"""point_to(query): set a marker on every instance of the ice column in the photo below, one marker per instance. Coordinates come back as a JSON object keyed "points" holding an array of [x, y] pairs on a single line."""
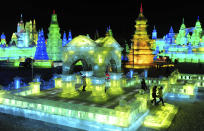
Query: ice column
{"points": [[98, 89], [35, 87], [68, 86], [58, 82], [115, 84]]}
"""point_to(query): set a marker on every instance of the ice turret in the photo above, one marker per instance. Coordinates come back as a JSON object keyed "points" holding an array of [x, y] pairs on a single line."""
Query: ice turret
{"points": [[69, 37], [154, 33], [64, 40]]}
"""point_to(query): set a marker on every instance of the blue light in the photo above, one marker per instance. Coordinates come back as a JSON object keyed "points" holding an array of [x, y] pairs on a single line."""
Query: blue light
{"points": [[131, 73], [17, 83], [145, 73]]}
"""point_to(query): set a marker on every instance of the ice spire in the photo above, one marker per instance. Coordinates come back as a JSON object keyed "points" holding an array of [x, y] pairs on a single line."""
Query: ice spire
{"points": [[21, 20], [141, 10], [183, 25], [154, 33], [69, 36], [64, 40], [171, 30]]}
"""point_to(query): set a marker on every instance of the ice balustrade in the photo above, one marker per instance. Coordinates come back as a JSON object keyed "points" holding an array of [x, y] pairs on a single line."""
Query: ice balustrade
{"points": [[117, 116]]}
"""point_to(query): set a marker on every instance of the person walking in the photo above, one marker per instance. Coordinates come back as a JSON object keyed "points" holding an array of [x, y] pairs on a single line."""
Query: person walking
{"points": [[154, 95], [160, 95], [84, 83], [143, 84]]}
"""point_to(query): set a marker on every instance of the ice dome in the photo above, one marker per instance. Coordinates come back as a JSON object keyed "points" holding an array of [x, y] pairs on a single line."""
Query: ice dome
{"points": [[108, 41], [82, 41], [3, 36]]}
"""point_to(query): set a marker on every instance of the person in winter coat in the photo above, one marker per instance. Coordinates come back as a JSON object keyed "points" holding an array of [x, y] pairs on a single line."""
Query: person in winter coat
{"points": [[160, 95], [84, 83], [154, 94]]}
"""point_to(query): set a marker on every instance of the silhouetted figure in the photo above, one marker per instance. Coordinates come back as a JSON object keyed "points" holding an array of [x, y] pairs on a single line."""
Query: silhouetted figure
{"points": [[84, 83], [160, 95], [154, 95], [107, 81], [143, 84]]}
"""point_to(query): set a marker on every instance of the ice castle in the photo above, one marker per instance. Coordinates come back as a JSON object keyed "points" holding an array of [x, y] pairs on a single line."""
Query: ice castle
{"points": [[185, 46]]}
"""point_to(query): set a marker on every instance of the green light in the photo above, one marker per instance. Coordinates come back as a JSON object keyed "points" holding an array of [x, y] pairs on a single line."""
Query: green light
{"points": [[79, 63]]}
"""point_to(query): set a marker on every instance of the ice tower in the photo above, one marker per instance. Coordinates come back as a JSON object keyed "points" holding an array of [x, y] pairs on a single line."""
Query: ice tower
{"points": [[181, 39], [64, 41], [3, 40], [195, 39], [54, 42], [69, 37], [169, 38], [26, 33], [141, 55], [41, 53], [154, 33], [13, 39]]}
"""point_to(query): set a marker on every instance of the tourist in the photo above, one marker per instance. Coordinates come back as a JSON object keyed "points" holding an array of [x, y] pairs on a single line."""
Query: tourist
{"points": [[160, 95], [154, 95], [143, 84], [84, 82]]}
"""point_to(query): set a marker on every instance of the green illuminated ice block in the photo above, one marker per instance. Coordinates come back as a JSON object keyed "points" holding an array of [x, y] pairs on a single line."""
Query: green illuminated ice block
{"points": [[43, 63], [17, 52]]}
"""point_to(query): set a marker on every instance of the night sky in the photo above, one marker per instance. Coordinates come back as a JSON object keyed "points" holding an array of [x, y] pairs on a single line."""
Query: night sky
{"points": [[85, 17]]}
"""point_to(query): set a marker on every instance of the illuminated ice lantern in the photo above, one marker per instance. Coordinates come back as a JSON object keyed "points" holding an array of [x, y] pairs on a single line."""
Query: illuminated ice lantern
{"points": [[35, 87], [58, 82], [17, 82]]}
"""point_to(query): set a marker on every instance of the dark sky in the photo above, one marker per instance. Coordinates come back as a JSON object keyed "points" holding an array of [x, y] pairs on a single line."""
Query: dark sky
{"points": [[86, 17]]}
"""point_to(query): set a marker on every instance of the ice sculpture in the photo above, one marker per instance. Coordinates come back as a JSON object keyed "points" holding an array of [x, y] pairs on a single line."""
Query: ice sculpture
{"points": [[54, 42], [141, 55]]}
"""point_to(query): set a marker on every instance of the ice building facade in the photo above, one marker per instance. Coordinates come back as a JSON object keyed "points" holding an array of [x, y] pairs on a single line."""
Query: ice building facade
{"points": [[22, 43], [26, 33], [185, 46], [97, 57]]}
